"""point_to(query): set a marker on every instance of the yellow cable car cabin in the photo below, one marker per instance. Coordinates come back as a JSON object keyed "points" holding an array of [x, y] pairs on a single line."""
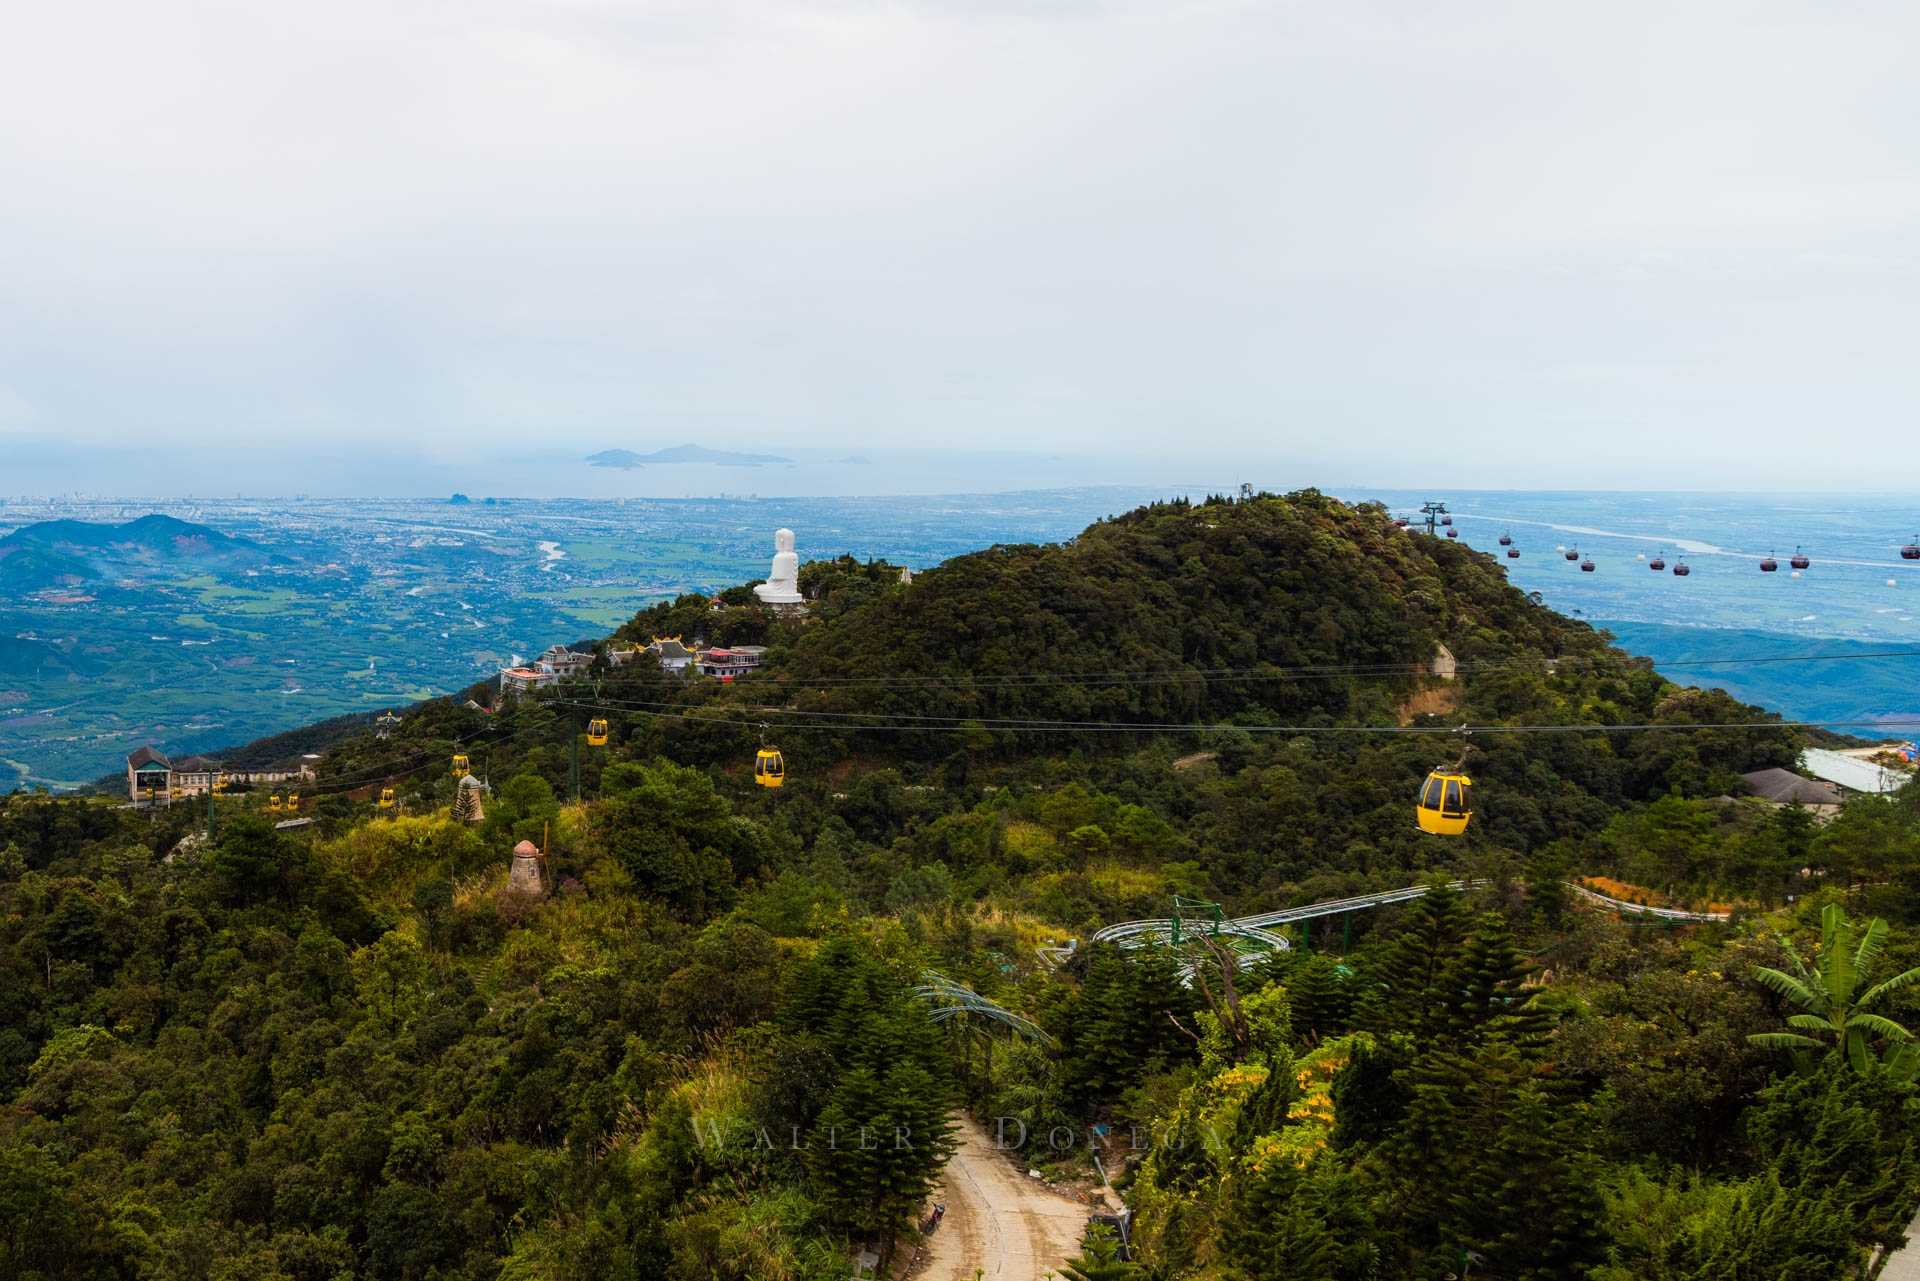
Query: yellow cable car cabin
{"points": [[1446, 803], [769, 770], [597, 732], [386, 798], [273, 802], [293, 800], [460, 764]]}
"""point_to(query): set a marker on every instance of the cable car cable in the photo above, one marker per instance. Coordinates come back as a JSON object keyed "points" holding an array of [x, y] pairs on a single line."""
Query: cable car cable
{"points": [[751, 718], [427, 760], [1301, 672]]}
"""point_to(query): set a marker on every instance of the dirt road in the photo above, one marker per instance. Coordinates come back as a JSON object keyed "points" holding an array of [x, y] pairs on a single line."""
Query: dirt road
{"points": [[1010, 1227]]}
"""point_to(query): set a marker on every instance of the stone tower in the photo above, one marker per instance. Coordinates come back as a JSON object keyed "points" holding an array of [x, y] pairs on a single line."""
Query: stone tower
{"points": [[470, 801], [528, 875]]}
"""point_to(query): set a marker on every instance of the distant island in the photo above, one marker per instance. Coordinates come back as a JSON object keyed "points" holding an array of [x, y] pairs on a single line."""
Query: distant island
{"points": [[459, 499], [628, 460]]}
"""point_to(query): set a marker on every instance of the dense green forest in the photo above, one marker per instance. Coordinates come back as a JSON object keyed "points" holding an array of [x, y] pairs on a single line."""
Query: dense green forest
{"points": [[355, 1050]]}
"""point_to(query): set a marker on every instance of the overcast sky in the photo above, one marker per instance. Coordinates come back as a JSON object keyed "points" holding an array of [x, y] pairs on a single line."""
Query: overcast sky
{"points": [[1629, 244]]}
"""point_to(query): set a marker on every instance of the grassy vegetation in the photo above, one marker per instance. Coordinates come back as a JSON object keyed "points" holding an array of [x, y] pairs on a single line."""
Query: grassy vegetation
{"points": [[353, 1051]]}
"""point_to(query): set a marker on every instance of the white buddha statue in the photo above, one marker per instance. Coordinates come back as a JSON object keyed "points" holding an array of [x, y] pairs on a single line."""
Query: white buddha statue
{"points": [[783, 580]]}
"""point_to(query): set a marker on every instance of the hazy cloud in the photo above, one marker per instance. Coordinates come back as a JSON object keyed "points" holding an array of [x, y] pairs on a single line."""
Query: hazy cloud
{"points": [[15, 413], [1489, 244]]}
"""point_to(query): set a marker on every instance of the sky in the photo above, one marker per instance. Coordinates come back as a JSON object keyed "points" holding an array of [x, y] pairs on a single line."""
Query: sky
{"points": [[375, 245]]}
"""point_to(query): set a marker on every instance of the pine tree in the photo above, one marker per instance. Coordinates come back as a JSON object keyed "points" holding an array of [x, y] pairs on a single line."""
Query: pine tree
{"points": [[1767, 1232], [919, 1139], [1100, 1259], [1276, 1229], [1371, 1093], [1835, 1130], [879, 1144], [1095, 1051], [1407, 991], [1547, 886], [1434, 1141], [1486, 1163], [1119, 1029], [1183, 1159], [860, 1012], [1527, 1201], [1485, 990], [1319, 998], [833, 993], [1154, 991], [845, 1153], [1265, 1110]]}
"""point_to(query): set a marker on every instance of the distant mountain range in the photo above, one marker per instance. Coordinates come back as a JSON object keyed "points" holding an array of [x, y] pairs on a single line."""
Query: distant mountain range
{"points": [[73, 553], [627, 459]]}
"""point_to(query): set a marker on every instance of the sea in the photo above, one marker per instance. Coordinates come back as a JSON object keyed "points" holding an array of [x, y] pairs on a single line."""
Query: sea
{"points": [[1838, 642]]}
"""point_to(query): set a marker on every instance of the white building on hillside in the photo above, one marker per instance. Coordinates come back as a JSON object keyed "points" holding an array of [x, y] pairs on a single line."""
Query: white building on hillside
{"points": [[566, 663], [526, 679], [1855, 773]]}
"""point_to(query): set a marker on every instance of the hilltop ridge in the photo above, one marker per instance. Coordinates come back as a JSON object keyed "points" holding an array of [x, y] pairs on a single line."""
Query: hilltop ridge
{"points": [[1202, 591], [58, 553]]}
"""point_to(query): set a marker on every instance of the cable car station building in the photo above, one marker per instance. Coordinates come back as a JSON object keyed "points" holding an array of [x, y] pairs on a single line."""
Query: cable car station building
{"points": [[152, 778]]}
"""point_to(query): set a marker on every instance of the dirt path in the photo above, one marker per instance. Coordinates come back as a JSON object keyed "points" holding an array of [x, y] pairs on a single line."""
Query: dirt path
{"points": [[1010, 1227]]}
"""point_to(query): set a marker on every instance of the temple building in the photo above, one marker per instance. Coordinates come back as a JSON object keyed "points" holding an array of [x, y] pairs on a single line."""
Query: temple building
{"points": [[672, 654], [735, 660]]}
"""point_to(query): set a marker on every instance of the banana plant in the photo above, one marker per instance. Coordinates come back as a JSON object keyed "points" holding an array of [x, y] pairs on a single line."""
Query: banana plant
{"points": [[1835, 1014]]}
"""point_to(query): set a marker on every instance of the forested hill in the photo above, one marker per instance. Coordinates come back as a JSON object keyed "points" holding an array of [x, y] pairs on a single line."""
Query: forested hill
{"points": [[1208, 592], [1295, 611], [1275, 614], [1214, 589], [622, 1025], [1232, 629]]}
